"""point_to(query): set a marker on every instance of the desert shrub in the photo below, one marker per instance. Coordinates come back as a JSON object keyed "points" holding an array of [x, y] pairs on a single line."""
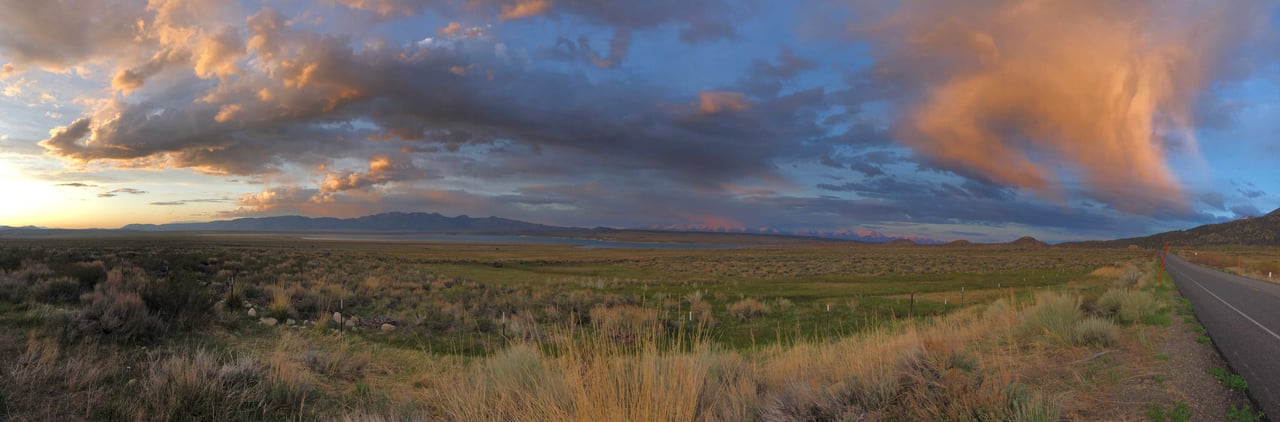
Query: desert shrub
{"points": [[1130, 277], [730, 391], [783, 304], [114, 314], [748, 308], [344, 364], [87, 274], [11, 258], [307, 303], [939, 386], [702, 312], [1053, 317], [1109, 302], [1096, 332], [180, 300], [13, 289], [1137, 306], [624, 321], [1128, 306], [56, 290]]}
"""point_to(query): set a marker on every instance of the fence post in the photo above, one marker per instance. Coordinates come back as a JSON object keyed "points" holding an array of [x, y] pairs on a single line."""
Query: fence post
{"points": [[911, 311]]}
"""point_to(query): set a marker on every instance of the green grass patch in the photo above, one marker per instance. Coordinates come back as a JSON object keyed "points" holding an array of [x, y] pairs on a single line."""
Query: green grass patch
{"points": [[1228, 379], [1243, 413], [1178, 412]]}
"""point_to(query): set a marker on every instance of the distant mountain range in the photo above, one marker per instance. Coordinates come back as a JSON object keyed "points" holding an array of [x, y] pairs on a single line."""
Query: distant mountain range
{"points": [[1257, 231], [1263, 230], [388, 222]]}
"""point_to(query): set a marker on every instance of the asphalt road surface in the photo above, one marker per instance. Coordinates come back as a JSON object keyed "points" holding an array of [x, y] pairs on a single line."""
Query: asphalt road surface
{"points": [[1243, 319]]}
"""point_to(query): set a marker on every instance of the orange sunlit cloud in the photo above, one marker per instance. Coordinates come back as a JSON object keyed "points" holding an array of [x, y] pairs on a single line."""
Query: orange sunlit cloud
{"points": [[1106, 86]]}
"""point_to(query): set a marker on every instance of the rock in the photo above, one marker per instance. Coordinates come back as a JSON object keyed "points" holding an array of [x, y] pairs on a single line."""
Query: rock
{"points": [[290, 321], [253, 312], [268, 321], [387, 327], [246, 304], [351, 322], [337, 317]]}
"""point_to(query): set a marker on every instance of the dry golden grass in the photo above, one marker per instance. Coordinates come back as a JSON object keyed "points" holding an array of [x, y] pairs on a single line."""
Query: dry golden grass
{"points": [[886, 372]]}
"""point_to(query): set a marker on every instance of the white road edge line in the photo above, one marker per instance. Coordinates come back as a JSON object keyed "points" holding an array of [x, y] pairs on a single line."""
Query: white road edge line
{"points": [[1255, 322]]}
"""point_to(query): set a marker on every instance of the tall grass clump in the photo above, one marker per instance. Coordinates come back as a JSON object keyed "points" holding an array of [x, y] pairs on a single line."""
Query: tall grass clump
{"points": [[597, 378], [1053, 318], [1128, 306], [1096, 331], [198, 386]]}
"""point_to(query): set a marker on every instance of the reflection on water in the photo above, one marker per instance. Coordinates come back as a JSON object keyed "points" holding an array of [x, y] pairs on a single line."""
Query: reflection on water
{"points": [[485, 238]]}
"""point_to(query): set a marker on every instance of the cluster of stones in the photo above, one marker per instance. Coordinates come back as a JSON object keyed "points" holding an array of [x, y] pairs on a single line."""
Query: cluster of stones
{"points": [[382, 323]]}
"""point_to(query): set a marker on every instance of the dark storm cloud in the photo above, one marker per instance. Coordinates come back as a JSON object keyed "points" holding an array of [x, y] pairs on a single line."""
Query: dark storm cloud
{"points": [[300, 112], [695, 21]]}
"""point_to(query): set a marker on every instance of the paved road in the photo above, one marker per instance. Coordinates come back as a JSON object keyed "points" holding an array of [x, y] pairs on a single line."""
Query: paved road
{"points": [[1243, 319]]}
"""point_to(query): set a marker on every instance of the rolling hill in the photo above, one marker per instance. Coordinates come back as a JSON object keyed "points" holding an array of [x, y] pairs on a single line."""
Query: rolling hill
{"points": [[1257, 231]]}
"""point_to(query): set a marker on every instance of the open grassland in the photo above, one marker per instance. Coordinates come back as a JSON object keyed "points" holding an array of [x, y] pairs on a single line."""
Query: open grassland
{"points": [[251, 328]]}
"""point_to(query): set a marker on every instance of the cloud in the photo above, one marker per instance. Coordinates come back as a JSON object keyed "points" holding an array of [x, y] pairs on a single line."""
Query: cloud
{"points": [[77, 185], [991, 88], [767, 78], [1250, 191], [297, 106], [524, 9], [116, 192], [189, 201], [382, 170], [57, 35], [1245, 210], [711, 102], [1214, 200]]}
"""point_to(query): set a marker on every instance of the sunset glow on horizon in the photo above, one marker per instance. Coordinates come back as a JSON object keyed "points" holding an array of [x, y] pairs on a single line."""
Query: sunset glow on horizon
{"points": [[921, 119]]}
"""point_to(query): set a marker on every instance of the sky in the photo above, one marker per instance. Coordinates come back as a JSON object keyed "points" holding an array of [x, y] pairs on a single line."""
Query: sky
{"points": [[984, 120]]}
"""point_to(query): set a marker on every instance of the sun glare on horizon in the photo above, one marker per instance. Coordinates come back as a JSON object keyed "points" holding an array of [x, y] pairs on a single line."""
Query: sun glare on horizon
{"points": [[32, 202]]}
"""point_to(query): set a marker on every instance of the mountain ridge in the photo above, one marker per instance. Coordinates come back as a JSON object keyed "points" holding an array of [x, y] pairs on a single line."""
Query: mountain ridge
{"points": [[1251, 231], [385, 222]]}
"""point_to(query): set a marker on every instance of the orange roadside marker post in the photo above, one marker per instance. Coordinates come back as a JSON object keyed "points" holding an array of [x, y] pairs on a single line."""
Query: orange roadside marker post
{"points": [[1160, 274]]}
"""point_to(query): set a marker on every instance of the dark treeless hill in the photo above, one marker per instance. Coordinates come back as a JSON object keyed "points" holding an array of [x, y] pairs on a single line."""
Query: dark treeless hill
{"points": [[1256, 231], [1028, 242]]}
